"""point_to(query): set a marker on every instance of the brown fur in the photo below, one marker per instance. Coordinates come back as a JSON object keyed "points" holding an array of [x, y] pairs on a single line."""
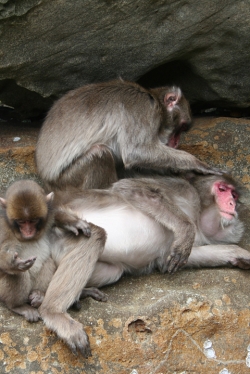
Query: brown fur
{"points": [[96, 131], [28, 265], [150, 224]]}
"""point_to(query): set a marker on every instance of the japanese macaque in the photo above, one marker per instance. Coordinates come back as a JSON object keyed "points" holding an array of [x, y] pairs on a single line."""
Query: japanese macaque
{"points": [[28, 241], [163, 223], [94, 132]]}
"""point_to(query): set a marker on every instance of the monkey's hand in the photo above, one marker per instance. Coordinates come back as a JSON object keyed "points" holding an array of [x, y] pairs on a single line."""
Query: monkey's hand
{"points": [[175, 261], [22, 265], [68, 220], [203, 168], [79, 225], [36, 298]]}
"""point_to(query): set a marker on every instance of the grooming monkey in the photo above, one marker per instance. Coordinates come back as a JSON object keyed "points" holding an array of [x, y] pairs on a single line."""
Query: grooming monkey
{"points": [[29, 240], [97, 131], [161, 223]]}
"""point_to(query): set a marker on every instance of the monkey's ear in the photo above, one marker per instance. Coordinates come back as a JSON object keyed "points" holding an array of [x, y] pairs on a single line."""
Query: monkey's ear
{"points": [[172, 98], [3, 203], [50, 196]]}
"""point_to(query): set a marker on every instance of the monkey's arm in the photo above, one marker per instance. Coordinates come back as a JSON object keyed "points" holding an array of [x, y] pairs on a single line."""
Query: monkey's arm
{"points": [[71, 276], [157, 156], [219, 255], [151, 198], [68, 220], [11, 264]]}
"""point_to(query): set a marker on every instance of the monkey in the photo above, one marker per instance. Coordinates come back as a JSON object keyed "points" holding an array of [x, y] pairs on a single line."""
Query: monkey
{"points": [[162, 223], [185, 214], [30, 229], [94, 133]]}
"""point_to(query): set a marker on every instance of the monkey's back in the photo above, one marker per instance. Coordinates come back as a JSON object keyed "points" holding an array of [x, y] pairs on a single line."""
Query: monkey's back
{"points": [[86, 116]]}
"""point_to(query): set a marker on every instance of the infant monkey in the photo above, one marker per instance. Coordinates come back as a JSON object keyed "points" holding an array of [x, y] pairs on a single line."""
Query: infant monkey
{"points": [[27, 239]]}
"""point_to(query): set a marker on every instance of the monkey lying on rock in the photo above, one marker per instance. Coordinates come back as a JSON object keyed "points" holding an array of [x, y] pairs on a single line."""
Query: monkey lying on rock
{"points": [[161, 223]]}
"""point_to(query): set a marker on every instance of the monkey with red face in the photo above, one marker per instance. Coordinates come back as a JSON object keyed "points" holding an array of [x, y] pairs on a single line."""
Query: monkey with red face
{"points": [[163, 223], [100, 130]]}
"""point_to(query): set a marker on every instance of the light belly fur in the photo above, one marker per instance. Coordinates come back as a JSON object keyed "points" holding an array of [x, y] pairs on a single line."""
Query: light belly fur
{"points": [[132, 237]]}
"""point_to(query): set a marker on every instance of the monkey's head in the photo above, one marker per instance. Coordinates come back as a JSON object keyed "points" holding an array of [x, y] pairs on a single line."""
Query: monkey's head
{"points": [[27, 209], [178, 116], [220, 203]]}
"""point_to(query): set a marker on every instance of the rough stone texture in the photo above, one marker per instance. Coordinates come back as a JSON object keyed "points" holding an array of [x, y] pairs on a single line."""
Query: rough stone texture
{"points": [[154, 324], [50, 46]]}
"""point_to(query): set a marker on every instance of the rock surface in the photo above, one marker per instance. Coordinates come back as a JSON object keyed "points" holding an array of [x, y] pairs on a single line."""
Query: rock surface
{"points": [[51, 46], [195, 321]]}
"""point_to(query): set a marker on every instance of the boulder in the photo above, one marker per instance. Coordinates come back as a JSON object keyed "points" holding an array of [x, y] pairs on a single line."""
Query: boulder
{"points": [[50, 47]]}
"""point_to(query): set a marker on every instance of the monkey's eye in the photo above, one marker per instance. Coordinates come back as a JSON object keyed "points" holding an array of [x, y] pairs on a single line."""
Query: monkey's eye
{"points": [[222, 188], [172, 98], [33, 221], [235, 195]]}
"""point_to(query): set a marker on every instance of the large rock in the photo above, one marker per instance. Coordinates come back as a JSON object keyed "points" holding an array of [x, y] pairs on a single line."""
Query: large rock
{"points": [[195, 321], [49, 47]]}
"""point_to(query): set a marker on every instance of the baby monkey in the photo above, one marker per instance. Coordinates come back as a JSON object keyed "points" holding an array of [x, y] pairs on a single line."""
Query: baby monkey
{"points": [[27, 236]]}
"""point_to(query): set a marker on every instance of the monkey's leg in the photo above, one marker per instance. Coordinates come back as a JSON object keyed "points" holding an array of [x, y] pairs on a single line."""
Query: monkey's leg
{"points": [[73, 272], [151, 199], [218, 255], [95, 169], [105, 273], [14, 291]]}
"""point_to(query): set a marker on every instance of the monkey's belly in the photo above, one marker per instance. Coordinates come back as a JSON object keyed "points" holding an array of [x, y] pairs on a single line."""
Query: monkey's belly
{"points": [[132, 237]]}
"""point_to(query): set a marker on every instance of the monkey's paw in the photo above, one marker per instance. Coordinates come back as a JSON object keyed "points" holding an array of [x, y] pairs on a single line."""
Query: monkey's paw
{"points": [[28, 312], [241, 262], [79, 225], [22, 265], [79, 341], [67, 329], [174, 262], [94, 293], [36, 298]]}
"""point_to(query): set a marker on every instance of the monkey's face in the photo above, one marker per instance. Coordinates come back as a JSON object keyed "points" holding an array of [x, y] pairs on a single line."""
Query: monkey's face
{"points": [[27, 229], [178, 119], [222, 210], [226, 198]]}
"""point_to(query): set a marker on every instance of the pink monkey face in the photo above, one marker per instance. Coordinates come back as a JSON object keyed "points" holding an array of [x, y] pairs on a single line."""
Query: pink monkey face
{"points": [[226, 197]]}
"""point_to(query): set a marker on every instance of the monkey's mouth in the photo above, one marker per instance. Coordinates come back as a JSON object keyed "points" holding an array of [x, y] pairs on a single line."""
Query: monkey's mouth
{"points": [[174, 141], [227, 215], [27, 233]]}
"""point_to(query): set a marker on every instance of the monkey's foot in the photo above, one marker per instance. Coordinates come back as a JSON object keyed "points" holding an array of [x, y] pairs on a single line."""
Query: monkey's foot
{"points": [[28, 312], [69, 330], [95, 293], [36, 298], [241, 262]]}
